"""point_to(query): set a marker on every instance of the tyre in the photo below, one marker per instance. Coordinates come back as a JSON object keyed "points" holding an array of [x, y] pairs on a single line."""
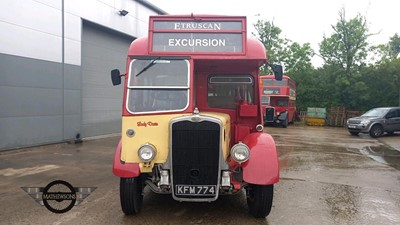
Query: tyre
{"points": [[355, 133], [285, 123], [131, 195], [376, 131], [259, 199]]}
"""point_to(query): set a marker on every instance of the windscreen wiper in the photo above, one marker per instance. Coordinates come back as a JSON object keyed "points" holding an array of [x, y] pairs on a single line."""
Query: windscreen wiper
{"points": [[149, 65]]}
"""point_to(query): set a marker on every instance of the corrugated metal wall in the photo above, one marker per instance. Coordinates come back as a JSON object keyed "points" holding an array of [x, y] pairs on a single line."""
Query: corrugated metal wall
{"points": [[102, 51]]}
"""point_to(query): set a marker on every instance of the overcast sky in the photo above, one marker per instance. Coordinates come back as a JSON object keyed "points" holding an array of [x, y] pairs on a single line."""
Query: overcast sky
{"points": [[300, 20]]}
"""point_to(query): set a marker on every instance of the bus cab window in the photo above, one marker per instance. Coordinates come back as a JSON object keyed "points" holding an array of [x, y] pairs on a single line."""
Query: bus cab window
{"points": [[281, 103], [158, 85], [226, 91]]}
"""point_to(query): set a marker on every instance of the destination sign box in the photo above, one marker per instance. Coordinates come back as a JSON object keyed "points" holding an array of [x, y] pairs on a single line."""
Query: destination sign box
{"points": [[192, 36], [197, 42], [194, 25]]}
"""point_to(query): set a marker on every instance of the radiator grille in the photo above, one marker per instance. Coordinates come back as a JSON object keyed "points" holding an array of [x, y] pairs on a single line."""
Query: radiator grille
{"points": [[269, 114], [195, 153]]}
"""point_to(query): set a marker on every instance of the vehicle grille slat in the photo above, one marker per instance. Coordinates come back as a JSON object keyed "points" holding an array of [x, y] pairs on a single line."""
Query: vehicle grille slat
{"points": [[269, 114], [195, 153]]}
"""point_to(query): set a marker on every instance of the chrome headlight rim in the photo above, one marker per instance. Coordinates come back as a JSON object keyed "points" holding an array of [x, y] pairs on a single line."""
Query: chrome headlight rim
{"points": [[240, 152], [145, 150], [365, 122]]}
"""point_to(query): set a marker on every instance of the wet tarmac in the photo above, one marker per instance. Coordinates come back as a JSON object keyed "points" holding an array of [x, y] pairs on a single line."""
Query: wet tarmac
{"points": [[327, 177]]}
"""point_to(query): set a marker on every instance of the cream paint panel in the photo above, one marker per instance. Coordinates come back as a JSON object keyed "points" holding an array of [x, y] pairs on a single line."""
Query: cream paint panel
{"points": [[226, 121], [155, 135], [16, 40], [159, 135]]}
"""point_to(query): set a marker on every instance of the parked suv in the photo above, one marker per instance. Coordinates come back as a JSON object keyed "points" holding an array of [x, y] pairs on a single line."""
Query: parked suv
{"points": [[376, 122]]}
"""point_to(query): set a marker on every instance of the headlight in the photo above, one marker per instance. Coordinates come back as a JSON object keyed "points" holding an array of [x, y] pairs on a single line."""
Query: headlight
{"points": [[277, 113], [147, 152], [365, 122], [240, 152]]}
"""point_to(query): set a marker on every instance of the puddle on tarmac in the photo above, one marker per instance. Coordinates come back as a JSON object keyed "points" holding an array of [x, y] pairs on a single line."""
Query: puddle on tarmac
{"points": [[381, 154]]}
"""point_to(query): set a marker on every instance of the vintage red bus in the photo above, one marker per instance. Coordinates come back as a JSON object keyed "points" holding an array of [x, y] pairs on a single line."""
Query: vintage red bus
{"points": [[278, 100], [191, 115]]}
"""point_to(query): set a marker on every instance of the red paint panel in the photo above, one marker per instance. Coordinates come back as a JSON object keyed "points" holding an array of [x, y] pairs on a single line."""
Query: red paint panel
{"points": [[124, 169], [246, 110], [263, 166]]}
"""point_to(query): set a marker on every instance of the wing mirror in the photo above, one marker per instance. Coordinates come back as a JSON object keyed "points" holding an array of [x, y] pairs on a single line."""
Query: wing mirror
{"points": [[278, 71], [115, 77]]}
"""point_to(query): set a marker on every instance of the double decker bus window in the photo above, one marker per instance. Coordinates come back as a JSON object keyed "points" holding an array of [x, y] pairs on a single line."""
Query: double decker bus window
{"points": [[163, 86], [226, 91], [282, 103], [280, 82], [264, 100], [267, 82]]}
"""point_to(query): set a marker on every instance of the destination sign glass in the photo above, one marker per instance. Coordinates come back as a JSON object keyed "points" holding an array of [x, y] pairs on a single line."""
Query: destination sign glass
{"points": [[197, 42], [194, 25]]}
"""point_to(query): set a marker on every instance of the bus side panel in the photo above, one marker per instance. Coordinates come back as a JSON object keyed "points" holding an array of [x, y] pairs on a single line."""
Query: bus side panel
{"points": [[262, 167], [125, 170]]}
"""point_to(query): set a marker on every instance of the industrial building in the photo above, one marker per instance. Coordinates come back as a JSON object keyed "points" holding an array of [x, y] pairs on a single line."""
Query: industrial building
{"points": [[55, 63]]}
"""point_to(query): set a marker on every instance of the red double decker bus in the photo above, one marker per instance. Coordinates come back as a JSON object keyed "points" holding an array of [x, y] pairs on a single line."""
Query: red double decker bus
{"points": [[191, 114], [278, 100]]}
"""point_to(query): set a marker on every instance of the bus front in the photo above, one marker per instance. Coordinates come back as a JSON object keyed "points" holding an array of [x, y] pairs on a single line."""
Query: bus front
{"points": [[191, 120]]}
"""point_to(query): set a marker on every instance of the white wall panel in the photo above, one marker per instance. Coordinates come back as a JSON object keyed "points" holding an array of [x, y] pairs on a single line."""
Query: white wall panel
{"points": [[21, 41], [72, 52], [52, 3], [72, 41], [30, 29], [73, 26], [31, 14], [142, 20], [106, 14]]}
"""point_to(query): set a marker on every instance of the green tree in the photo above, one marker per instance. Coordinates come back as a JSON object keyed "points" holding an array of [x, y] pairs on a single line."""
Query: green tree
{"points": [[388, 52], [295, 58], [348, 45], [292, 55], [346, 50], [268, 34], [394, 46], [383, 81]]}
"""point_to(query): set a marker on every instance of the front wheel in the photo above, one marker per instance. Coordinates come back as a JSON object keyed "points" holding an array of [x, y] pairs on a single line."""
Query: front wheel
{"points": [[259, 199], [131, 195], [376, 131], [285, 123]]}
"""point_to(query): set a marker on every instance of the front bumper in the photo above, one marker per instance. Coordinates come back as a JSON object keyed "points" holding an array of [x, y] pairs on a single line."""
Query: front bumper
{"points": [[361, 128]]}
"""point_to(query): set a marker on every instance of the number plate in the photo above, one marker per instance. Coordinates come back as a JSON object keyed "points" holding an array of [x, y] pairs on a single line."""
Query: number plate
{"points": [[352, 126], [195, 189]]}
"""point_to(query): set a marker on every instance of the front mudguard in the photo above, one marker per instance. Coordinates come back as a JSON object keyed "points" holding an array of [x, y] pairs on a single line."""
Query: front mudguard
{"points": [[125, 170], [283, 116], [262, 167]]}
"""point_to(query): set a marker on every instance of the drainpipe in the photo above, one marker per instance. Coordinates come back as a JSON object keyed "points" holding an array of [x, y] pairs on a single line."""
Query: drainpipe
{"points": [[62, 68]]}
